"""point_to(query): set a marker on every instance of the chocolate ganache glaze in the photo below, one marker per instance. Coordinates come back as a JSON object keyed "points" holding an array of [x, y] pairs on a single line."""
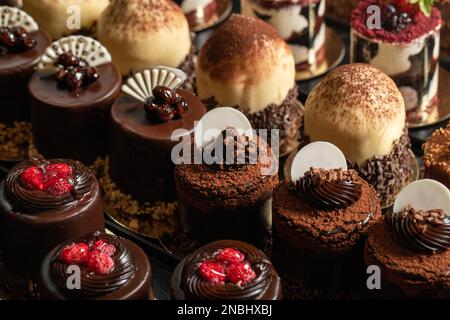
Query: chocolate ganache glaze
{"points": [[187, 284]]}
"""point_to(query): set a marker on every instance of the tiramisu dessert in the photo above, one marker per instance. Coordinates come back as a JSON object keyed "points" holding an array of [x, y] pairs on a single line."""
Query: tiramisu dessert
{"points": [[406, 47], [143, 123], [43, 203], [71, 98], [436, 159], [321, 218], [301, 23], [411, 244], [359, 109], [226, 270], [245, 64], [147, 33], [200, 12], [21, 45], [111, 268], [66, 17]]}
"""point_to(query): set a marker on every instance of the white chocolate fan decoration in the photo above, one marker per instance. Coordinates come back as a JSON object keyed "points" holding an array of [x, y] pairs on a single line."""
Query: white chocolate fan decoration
{"points": [[141, 84], [319, 155], [82, 47], [424, 195], [14, 17]]}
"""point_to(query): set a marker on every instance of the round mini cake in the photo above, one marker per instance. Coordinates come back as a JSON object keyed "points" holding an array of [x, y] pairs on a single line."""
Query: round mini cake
{"points": [[147, 33], [411, 245], [406, 47], [111, 268], [301, 23], [321, 219], [42, 203], [71, 98], [140, 158], [245, 64], [59, 18], [200, 12], [436, 160], [226, 270], [360, 110]]}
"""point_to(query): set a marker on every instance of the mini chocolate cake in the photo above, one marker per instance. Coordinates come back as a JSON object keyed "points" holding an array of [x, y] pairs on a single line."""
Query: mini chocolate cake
{"points": [[71, 98], [147, 33], [301, 23], [55, 18], [42, 203], [436, 160], [247, 65], [226, 270], [406, 47], [111, 268], [320, 222], [200, 12]]}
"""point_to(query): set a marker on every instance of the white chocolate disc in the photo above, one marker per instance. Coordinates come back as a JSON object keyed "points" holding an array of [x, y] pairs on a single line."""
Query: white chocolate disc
{"points": [[13, 17]]}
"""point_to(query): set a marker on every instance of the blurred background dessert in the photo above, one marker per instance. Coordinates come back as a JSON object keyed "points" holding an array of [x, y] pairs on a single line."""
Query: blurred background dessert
{"points": [[436, 160], [444, 6], [12, 3], [341, 10], [200, 12]]}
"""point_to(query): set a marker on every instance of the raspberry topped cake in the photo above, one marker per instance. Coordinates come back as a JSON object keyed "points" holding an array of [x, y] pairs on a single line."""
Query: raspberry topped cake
{"points": [[111, 268], [436, 160], [406, 47], [44, 202], [225, 270]]}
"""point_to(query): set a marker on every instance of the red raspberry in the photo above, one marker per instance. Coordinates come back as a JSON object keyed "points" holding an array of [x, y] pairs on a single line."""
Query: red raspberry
{"points": [[99, 262], [103, 246], [75, 253], [240, 273], [58, 187], [212, 272], [58, 169], [33, 177], [230, 255]]}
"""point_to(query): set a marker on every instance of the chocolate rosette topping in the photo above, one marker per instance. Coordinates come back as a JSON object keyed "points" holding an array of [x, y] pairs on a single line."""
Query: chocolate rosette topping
{"points": [[329, 189], [421, 231]]}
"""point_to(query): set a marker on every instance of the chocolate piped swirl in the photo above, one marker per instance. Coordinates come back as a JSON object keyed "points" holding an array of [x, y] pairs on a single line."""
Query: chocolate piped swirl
{"points": [[92, 284], [195, 288], [421, 231], [29, 200], [329, 189]]}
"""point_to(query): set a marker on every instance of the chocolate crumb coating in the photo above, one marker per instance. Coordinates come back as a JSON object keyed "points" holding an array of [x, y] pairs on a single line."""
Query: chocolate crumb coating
{"points": [[188, 66], [436, 159]]}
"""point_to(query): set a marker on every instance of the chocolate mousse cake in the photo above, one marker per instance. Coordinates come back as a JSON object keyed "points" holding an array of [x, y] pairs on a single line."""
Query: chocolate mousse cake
{"points": [[246, 64], [436, 159], [359, 109], [66, 17], [111, 268], [406, 47], [226, 270], [42, 203], [301, 23], [71, 97], [142, 126], [200, 12], [147, 33]]}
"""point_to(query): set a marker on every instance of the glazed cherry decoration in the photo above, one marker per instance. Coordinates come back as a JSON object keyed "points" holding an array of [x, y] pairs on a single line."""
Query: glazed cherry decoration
{"points": [[74, 73], [15, 39], [165, 105]]}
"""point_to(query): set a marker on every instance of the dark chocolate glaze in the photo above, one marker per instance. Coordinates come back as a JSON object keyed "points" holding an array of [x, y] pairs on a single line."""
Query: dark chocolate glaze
{"points": [[69, 124], [140, 155], [187, 285], [15, 72]]}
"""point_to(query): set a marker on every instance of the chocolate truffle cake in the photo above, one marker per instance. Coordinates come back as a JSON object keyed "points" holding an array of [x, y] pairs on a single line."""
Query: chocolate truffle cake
{"points": [[225, 270], [406, 47], [71, 98], [360, 110], [301, 23], [142, 126], [147, 33], [60, 18], [42, 203], [200, 12], [436, 160], [247, 65], [320, 221], [111, 268]]}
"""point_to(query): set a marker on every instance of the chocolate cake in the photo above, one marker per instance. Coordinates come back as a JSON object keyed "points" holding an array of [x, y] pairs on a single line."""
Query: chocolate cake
{"points": [[42, 203], [225, 270], [111, 268], [71, 98], [406, 47], [301, 23], [200, 12], [247, 65], [436, 160]]}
